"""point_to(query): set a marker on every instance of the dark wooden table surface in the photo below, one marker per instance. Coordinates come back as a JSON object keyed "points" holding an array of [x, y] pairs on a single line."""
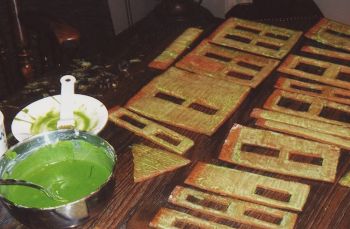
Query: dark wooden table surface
{"points": [[134, 204]]}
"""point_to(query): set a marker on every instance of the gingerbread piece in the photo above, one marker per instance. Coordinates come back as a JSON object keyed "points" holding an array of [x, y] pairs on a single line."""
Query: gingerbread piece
{"points": [[326, 52], [317, 70], [304, 132], [168, 218], [175, 49], [318, 90], [150, 130], [190, 101], [249, 186], [331, 33], [222, 63], [150, 162], [279, 153], [313, 125], [255, 37], [345, 180], [232, 209], [309, 107]]}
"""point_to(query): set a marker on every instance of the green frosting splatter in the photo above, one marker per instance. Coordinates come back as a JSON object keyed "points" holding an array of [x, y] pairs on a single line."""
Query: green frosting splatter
{"points": [[48, 122]]}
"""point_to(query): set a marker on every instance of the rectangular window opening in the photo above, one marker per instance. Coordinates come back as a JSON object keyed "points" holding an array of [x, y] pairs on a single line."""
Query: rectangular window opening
{"points": [[207, 203], [249, 65], [277, 36], [239, 75], [169, 98], [337, 33], [269, 46], [238, 38], [302, 88], [185, 225], [168, 139], [133, 121], [343, 76], [217, 57], [273, 194], [244, 28], [305, 159], [342, 96], [233, 224], [204, 109], [293, 104], [335, 114], [264, 216], [261, 150], [308, 68]]}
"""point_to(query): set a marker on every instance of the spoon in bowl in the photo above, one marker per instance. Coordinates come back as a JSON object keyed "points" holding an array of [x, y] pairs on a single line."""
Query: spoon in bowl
{"points": [[30, 184]]}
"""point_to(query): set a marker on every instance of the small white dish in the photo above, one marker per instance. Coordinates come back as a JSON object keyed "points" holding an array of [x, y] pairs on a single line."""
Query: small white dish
{"points": [[40, 116]]}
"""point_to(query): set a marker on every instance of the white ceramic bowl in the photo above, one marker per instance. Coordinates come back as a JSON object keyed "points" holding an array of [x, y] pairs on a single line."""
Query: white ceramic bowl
{"points": [[40, 116]]}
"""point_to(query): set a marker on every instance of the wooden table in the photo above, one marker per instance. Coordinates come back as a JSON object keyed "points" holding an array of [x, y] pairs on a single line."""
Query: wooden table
{"points": [[134, 204]]}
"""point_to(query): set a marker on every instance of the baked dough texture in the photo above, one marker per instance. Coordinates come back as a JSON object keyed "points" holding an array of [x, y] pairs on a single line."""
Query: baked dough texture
{"points": [[150, 162], [232, 209], [167, 219], [304, 132], [308, 107], [326, 52], [331, 33], [227, 64], [317, 70], [345, 180], [249, 186], [317, 161], [303, 127], [255, 37], [175, 49], [151, 131], [323, 91], [190, 101]]}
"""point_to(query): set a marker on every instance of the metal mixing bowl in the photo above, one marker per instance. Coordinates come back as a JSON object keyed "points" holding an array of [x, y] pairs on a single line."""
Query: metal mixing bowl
{"points": [[67, 215]]}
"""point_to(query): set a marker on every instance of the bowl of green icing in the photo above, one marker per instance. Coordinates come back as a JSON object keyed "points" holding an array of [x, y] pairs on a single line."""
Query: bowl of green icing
{"points": [[41, 116], [77, 167]]}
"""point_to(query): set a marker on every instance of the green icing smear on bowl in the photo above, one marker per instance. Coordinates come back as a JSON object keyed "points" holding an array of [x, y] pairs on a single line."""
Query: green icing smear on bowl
{"points": [[48, 122], [70, 170]]}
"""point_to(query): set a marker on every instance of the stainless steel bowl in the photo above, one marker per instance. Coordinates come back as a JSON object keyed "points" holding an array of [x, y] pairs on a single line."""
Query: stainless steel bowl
{"points": [[68, 215]]}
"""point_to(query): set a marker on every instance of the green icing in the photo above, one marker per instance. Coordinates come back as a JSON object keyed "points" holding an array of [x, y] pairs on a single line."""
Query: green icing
{"points": [[48, 122], [10, 154], [70, 170]]}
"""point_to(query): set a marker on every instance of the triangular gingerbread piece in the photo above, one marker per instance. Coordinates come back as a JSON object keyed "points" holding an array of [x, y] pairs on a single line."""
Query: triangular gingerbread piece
{"points": [[345, 180], [150, 162]]}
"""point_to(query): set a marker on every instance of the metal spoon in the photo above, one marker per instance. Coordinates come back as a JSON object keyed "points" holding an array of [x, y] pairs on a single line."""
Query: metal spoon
{"points": [[30, 184]]}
